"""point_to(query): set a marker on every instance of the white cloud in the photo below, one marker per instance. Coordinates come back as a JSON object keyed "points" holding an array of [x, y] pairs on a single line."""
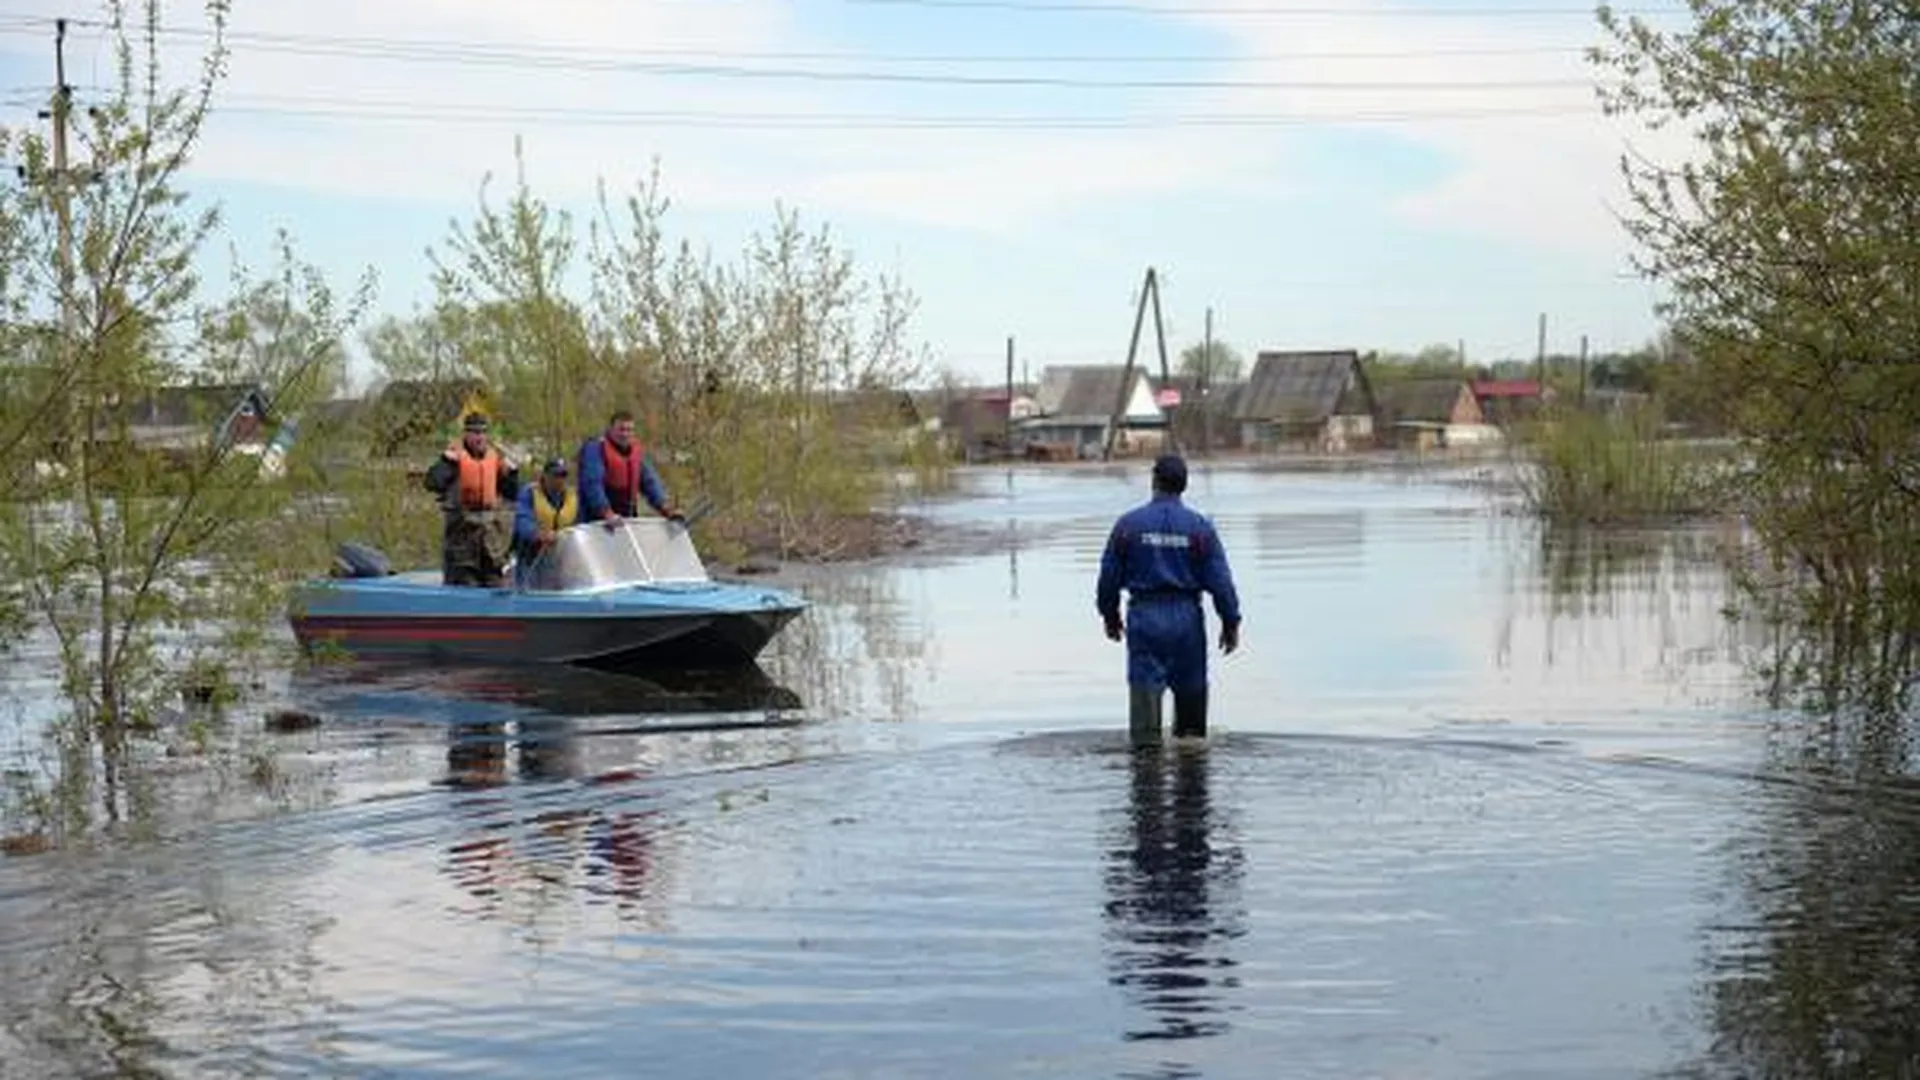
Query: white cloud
{"points": [[1544, 174], [978, 178]]}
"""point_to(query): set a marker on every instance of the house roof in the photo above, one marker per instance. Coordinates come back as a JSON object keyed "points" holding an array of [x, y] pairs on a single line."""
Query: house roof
{"points": [[1506, 388], [189, 406], [1420, 400], [1298, 385], [1083, 391]]}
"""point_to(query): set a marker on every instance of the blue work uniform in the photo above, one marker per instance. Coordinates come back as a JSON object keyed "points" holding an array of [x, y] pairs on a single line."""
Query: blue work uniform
{"points": [[597, 496], [1164, 555]]}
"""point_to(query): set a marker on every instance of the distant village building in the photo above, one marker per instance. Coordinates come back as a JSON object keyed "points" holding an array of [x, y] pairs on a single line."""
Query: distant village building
{"points": [[1318, 400], [1504, 401], [182, 421], [1431, 414], [1204, 415], [1075, 407], [410, 416], [978, 425]]}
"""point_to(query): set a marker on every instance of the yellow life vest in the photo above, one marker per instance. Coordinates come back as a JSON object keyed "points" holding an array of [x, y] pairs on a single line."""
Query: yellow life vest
{"points": [[554, 520]]}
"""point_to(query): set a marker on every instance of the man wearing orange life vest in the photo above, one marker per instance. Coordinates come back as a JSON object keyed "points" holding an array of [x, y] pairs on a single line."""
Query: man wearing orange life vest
{"points": [[616, 473], [475, 483]]}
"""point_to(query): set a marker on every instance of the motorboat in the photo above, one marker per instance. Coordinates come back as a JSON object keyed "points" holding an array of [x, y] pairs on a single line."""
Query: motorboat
{"points": [[634, 593]]}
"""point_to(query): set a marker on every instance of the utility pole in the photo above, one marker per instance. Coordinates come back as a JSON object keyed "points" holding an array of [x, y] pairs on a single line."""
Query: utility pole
{"points": [[1166, 370], [1583, 371], [1150, 290], [1540, 355], [1206, 388], [1007, 447], [61, 106]]}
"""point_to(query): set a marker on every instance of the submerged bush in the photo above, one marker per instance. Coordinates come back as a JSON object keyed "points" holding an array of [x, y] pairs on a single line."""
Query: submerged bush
{"points": [[1595, 468]]}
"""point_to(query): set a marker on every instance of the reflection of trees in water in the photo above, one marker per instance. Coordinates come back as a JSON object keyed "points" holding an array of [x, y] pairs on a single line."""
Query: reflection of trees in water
{"points": [[1638, 584], [1173, 901], [857, 634], [1817, 970]]}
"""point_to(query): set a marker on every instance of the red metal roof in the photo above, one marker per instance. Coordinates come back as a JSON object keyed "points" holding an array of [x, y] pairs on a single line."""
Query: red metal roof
{"points": [[1506, 388]]}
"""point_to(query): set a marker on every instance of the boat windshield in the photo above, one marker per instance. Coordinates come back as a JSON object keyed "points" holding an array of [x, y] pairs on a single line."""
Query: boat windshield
{"points": [[590, 556]]}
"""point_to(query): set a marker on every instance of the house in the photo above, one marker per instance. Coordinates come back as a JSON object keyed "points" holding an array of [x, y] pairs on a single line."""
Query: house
{"points": [[183, 419], [1429, 413], [408, 415], [1075, 406], [1314, 400], [1503, 401], [1203, 418], [976, 424]]}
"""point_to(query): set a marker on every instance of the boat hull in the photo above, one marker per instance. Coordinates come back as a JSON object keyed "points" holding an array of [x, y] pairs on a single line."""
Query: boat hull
{"points": [[643, 624]]}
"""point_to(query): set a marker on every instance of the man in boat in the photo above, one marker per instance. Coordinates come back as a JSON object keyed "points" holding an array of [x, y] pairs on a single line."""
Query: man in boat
{"points": [[543, 510], [476, 483], [616, 473], [1164, 554]]}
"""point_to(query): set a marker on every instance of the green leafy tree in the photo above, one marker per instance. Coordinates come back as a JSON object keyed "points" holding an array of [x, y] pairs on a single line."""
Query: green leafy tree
{"points": [[134, 560], [1221, 364], [506, 273], [263, 336], [1789, 244]]}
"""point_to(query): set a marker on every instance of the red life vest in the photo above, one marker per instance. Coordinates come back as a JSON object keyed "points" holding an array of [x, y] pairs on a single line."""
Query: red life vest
{"points": [[623, 471]]}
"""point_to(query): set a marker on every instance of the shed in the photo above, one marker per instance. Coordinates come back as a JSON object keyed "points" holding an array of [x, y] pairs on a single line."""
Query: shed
{"points": [[1426, 413], [1315, 399]]}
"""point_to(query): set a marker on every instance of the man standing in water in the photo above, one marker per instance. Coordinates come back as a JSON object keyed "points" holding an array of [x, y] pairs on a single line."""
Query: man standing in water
{"points": [[1165, 555]]}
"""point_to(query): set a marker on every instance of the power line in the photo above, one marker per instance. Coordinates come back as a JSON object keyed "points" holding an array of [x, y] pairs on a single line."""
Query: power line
{"points": [[461, 51], [443, 53], [415, 112], [1102, 7]]}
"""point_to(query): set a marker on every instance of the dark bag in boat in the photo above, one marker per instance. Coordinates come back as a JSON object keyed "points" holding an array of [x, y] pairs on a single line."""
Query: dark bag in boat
{"points": [[359, 560]]}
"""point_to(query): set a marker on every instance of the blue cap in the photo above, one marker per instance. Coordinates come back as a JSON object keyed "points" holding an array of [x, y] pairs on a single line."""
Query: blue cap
{"points": [[1171, 468]]}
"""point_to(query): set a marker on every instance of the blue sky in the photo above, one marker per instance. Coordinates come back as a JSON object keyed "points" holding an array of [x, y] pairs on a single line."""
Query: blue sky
{"points": [[1322, 173]]}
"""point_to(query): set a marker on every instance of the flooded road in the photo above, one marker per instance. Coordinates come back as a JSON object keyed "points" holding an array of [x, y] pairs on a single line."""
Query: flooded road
{"points": [[1472, 808]]}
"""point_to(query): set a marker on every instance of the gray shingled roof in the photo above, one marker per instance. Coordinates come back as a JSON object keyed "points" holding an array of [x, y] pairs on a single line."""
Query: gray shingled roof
{"points": [[185, 406], [1082, 392], [1300, 386], [1423, 401]]}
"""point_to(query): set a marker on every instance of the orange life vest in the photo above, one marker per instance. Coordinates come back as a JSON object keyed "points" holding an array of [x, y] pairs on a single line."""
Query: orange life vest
{"points": [[479, 478]]}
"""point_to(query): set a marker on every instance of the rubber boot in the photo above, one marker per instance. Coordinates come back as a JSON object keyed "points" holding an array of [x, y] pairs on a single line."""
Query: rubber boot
{"points": [[1143, 717], [1190, 714]]}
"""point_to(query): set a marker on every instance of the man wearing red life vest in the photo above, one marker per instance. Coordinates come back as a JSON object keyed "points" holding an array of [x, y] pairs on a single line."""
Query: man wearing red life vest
{"points": [[476, 483], [616, 473]]}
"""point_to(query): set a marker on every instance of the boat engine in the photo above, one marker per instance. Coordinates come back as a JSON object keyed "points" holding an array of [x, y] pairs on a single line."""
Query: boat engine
{"points": [[360, 561]]}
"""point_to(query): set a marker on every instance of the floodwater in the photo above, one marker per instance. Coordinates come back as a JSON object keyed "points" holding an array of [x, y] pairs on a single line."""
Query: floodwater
{"points": [[1471, 808]]}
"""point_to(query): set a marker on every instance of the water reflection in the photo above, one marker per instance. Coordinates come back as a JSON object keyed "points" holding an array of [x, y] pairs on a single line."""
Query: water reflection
{"points": [[520, 854], [1172, 899], [1591, 593], [1816, 969], [1309, 540]]}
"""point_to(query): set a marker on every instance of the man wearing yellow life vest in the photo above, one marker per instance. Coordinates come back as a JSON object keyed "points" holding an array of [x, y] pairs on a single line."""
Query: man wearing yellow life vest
{"points": [[543, 510], [476, 483]]}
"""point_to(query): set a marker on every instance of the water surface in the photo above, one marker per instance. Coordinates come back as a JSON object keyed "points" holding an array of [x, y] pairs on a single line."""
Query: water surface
{"points": [[1472, 808]]}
